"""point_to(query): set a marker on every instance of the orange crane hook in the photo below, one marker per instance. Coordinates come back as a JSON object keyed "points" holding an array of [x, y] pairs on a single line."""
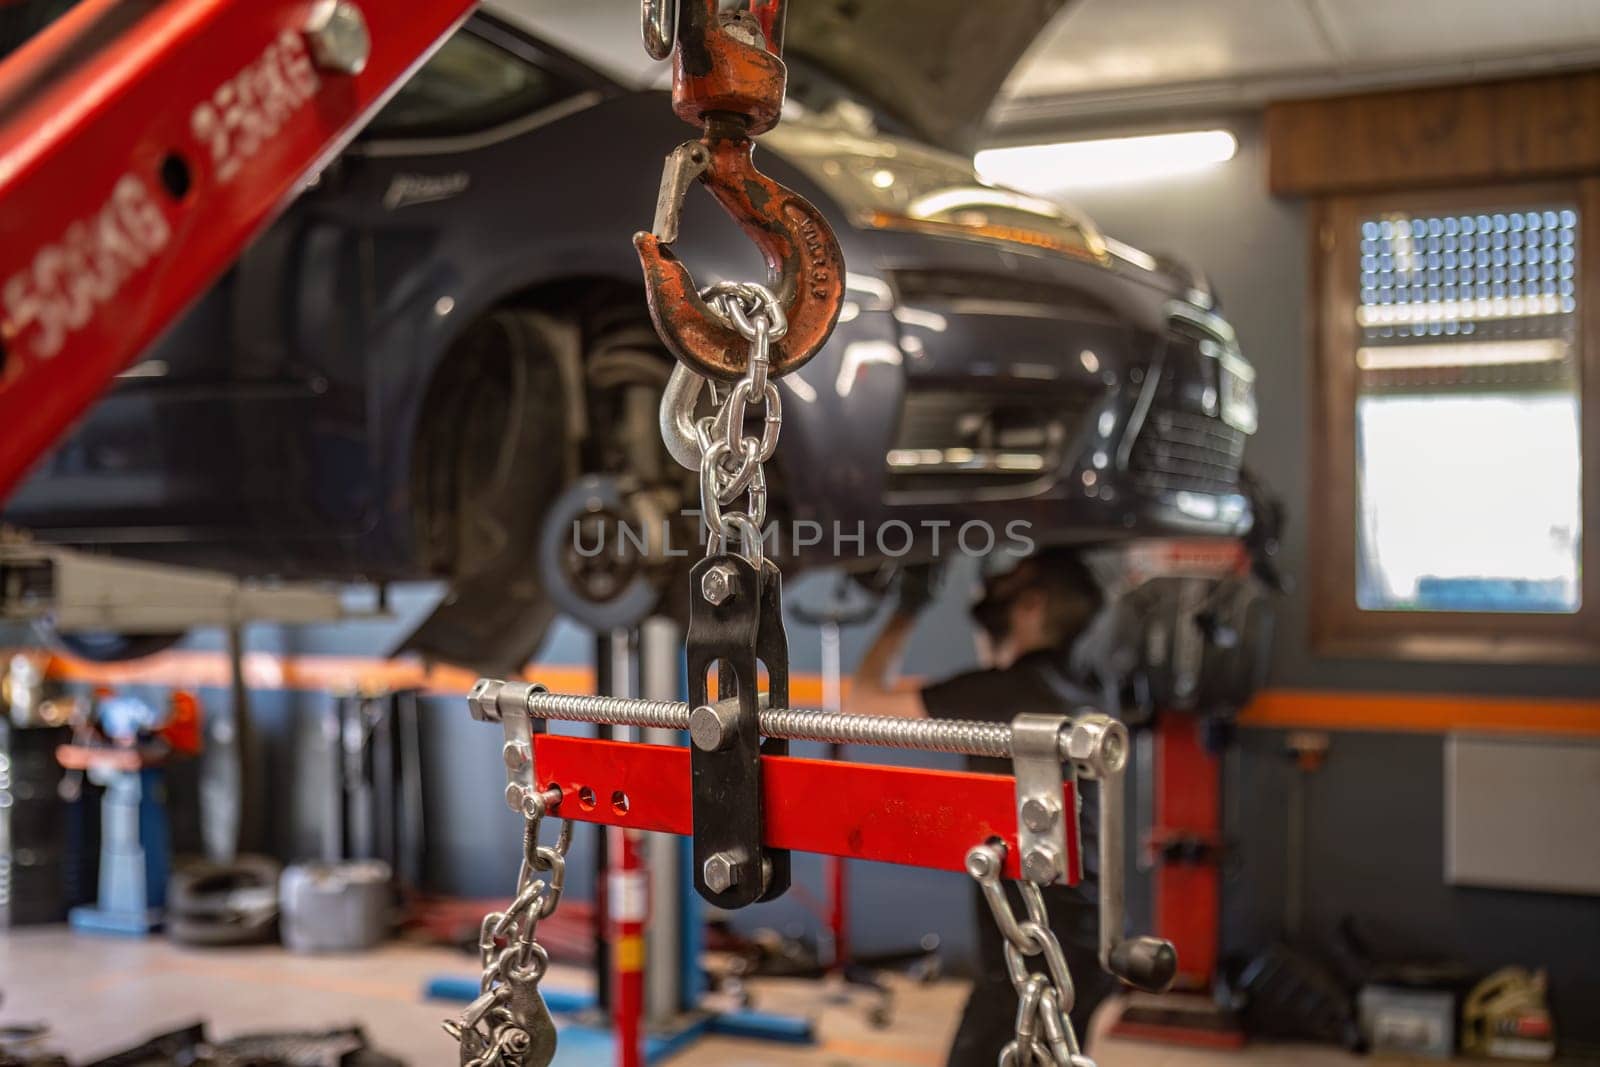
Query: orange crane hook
{"points": [[727, 79]]}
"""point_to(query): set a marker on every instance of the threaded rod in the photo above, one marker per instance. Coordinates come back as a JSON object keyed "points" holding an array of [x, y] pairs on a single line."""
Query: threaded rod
{"points": [[956, 736]]}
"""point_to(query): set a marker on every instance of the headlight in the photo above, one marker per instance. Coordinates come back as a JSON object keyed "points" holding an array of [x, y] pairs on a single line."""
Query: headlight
{"points": [[889, 183]]}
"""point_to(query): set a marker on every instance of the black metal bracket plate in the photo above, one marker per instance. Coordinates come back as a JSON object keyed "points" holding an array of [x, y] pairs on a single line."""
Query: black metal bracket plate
{"points": [[729, 818]]}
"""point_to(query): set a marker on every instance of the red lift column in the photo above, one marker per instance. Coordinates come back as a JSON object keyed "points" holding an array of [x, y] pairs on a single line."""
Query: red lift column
{"points": [[1188, 823], [1185, 845]]}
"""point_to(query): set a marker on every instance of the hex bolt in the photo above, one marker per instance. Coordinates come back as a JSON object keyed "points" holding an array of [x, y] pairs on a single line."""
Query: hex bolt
{"points": [[1040, 866], [720, 872], [1039, 813], [719, 583], [337, 34]]}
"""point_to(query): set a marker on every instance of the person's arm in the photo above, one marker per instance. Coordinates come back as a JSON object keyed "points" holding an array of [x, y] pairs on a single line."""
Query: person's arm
{"points": [[872, 689]]}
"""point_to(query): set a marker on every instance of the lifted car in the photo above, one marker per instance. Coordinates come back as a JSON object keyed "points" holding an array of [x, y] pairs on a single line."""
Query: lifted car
{"points": [[441, 353]]}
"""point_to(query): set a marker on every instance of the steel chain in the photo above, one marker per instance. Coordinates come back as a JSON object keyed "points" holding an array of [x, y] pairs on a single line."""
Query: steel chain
{"points": [[508, 1025], [1043, 1034], [730, 461]]}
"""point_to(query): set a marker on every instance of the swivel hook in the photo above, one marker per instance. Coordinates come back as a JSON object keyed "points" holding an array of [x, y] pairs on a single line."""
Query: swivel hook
{"points": [[728, 79]]}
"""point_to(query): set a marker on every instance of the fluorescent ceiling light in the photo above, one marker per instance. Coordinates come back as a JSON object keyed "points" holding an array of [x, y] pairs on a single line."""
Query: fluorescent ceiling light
{"points": [[1465, 354], [1112, 161]]}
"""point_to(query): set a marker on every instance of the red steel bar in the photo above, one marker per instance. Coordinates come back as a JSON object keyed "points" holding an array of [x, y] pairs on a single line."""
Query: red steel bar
{"points": [[142, 145], [906, 815]]}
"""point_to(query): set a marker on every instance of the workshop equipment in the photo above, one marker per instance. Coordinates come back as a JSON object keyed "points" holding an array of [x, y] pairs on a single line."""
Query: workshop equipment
{"points": [[1408, 1022], [37, 857], [1507, 1017], [374, 809], [939, 819], [336, 907], [744, 802], [124, 745], [1180, 651], [234, 903]]}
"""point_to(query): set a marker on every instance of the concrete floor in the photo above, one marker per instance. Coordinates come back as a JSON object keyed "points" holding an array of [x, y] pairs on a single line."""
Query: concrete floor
{"points": [[103, 994]]}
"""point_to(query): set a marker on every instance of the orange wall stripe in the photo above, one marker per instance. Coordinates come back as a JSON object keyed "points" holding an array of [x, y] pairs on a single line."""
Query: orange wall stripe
{"points": [[1421, 713], [186, 668], [1272, 708], [264, 670]]}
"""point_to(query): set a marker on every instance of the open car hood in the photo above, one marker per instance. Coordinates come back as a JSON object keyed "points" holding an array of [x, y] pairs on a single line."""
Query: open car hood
{"points": [[932, 65]]}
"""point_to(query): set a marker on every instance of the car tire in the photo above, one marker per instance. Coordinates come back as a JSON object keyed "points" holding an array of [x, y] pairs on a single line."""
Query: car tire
{"points": [[491, 438]]}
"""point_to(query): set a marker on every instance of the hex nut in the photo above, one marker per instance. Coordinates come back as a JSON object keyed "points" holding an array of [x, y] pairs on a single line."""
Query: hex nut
{"points": [[483, 701], [719, 584], [1098, 743]]}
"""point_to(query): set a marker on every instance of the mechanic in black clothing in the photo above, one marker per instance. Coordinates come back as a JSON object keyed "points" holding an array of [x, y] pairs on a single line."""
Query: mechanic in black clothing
{"points": [[1027, 621]]}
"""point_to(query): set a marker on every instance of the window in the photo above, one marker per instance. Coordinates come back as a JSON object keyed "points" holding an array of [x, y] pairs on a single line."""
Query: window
{"points": [[470, 84], [1451, 496]]}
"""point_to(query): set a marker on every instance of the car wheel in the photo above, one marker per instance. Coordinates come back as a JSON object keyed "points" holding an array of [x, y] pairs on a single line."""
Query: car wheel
{"points": [[488, 462]]}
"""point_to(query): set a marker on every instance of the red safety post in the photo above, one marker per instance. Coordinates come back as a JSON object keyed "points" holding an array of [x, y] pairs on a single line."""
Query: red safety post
{"points": [[141, 147], [628, 900]]}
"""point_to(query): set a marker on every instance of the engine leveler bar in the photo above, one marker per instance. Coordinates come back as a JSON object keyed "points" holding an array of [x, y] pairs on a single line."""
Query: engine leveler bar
{"points": [[911, 816]]}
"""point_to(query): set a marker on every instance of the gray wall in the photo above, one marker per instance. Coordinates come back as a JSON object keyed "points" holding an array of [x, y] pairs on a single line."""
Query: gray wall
{"points": [[1374, 814]]}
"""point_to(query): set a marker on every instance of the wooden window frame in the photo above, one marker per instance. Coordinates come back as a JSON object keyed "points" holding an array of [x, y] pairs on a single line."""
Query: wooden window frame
{"points": [[1338, 626]]}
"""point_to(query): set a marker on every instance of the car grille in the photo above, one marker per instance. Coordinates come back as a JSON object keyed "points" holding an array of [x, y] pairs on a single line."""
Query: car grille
{"points": [[1185, 450], [954, 439]]}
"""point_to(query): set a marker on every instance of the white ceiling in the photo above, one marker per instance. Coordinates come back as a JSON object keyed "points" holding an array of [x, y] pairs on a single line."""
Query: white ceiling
{"points": [[1110, 59], [1105, 58], [603, 33]]}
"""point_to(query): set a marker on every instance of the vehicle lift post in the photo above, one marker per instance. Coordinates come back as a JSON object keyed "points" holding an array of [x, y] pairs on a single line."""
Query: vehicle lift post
{"points": [[647, 945]]}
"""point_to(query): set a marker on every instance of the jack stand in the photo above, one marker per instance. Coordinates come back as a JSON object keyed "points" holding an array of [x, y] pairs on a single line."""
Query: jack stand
{"points": [[1186, 847]]}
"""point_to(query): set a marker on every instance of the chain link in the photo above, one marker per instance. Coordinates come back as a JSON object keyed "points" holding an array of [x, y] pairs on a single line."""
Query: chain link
{"points": [[507, 1025], [1043, 1033], [729, 460]]}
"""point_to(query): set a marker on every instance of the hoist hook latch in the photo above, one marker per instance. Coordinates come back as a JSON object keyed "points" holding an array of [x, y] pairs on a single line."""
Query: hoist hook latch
{"points": [[728, 80]]}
